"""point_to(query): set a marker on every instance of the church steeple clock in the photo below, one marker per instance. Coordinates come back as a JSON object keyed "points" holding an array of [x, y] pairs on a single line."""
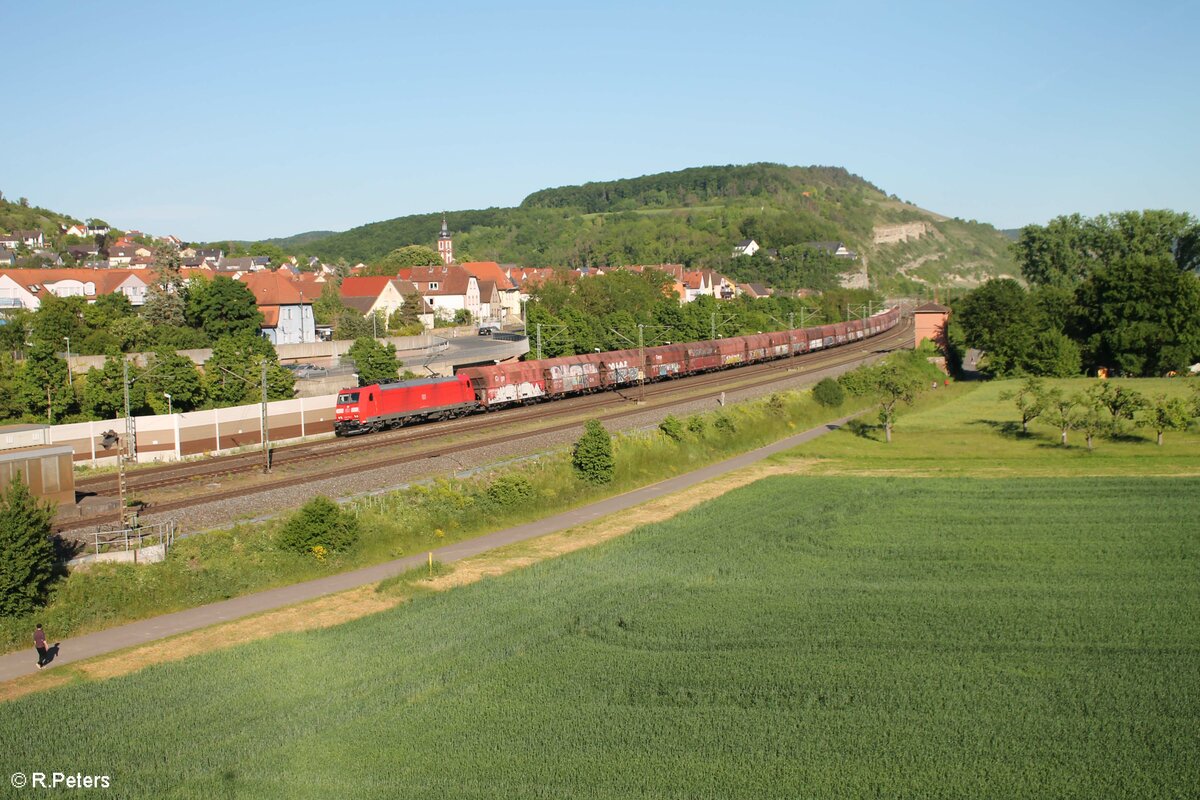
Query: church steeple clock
{"points": [[445, 245]]}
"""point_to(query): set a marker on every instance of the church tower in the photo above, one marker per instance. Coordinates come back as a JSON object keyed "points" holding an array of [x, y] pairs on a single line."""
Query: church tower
{"points": [[445, 245]]}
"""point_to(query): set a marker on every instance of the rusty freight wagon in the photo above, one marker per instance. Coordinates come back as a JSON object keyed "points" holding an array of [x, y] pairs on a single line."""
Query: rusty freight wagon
{"points": [[505, 384], [572, 374], [620, 367], [666, 361]]}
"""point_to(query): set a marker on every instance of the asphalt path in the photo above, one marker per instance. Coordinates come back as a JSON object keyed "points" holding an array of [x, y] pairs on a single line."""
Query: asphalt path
{"points": [[90, 645]]}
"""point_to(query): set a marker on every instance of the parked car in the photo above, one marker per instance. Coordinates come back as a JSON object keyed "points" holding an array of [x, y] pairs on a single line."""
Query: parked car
{"points": [[488, 328], [309, 371]]}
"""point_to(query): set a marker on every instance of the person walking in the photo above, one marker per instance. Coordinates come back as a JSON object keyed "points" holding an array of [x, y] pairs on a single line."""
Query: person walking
{"points": [[39, 642]]}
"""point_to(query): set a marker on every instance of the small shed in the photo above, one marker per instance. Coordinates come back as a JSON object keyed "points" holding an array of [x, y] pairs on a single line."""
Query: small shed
{"points": [[24, 436], [929, 322], [48, 471]]}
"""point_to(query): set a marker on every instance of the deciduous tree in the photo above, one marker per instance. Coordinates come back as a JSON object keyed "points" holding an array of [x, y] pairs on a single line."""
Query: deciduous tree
{"points": [[997, 318], [42, 385], [176, 375], [104, 390], [892, 385], [374, 361], [232, 375], [222, 307], [1091, 416], [1030, 398], [1060, 412], [1141, 315], [1167, 414], [413, 255], [27, 560]]}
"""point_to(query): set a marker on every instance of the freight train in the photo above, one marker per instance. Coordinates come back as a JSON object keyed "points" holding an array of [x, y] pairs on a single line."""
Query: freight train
{"points": [[390, 405]]}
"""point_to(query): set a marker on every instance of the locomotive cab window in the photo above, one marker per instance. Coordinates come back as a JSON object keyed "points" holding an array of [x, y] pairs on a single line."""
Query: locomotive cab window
{"points": [[348, 397]]}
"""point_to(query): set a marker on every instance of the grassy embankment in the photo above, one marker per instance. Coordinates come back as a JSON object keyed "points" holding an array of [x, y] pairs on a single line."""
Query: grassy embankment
{"points": [[982, 633], [226, 563]]}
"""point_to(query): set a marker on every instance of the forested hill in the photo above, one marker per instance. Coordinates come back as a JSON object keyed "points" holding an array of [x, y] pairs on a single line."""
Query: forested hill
{"points": [[697, 186], [694, 217]]}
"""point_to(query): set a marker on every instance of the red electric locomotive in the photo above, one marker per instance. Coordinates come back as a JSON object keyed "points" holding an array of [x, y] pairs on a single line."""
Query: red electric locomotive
{"points": [[390, 405]]}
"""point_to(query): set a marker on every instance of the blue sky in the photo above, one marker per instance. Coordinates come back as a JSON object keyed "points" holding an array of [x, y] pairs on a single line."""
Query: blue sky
{"points": [[252, 120]]}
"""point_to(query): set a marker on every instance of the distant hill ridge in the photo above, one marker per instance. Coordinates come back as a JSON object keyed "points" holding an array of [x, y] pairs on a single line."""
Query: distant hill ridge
{"points": [[694, 216], [694, 186]]}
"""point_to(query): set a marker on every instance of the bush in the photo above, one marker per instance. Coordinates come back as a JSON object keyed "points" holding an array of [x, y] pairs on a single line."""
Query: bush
{"points": [[593, 456], [697, 425], [856, 383], [829, 393], [510, 491], [319, 523], [672, 428], [725, 424]]}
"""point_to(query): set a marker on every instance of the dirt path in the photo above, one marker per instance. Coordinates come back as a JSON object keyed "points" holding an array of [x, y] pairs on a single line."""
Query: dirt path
{"points": [[362, 601]]}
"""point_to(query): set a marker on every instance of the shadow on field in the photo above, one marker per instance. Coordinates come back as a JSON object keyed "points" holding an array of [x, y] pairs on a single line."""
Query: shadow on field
{"points": [[865, 431], [1007, 428]]}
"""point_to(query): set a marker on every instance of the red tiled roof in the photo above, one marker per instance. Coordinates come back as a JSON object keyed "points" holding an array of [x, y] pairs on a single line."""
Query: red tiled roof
{"points": [[450, 280], [488, 271], [270, 316], [364, 287], [273, 289]]}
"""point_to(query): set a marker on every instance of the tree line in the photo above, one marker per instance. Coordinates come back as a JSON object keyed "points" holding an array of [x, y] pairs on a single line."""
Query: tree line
{"points": [[1117, 292], [604, 313]]}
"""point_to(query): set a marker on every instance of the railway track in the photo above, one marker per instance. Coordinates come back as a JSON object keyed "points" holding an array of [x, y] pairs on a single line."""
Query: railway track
{"points": [[432, 439]]}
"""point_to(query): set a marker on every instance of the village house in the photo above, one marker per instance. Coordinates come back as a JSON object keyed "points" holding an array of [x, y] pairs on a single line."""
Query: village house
{"points": [[123, 255], [287, 314], [835, 249], [31, 238], [507, 303], [25, 288], [448, 289], [746, 247], [369, 295], [754, 290]]}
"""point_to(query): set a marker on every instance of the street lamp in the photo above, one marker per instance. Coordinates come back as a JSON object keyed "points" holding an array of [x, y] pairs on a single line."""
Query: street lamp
{"points": [[70, 382], [168, 396]]}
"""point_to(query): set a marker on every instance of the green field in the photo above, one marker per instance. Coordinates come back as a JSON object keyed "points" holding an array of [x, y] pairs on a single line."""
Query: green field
{"points": [[801, 637]]}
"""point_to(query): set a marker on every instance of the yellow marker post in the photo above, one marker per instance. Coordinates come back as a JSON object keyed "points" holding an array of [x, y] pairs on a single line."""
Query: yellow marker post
{"points": [[431, 565]]}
